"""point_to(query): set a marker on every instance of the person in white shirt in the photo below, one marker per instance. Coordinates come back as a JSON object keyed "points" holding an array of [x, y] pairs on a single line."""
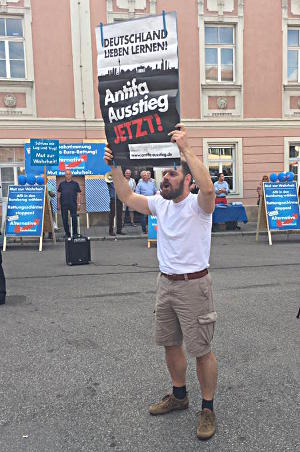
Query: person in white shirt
{"points": [[184, 304], [132, 185]]}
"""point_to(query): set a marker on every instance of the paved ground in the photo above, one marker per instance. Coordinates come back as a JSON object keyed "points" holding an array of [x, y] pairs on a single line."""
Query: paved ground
{"points": [[78, 366], [100, 232]]}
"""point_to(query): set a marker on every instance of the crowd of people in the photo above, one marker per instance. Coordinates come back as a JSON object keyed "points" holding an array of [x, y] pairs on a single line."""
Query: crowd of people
{"points": [[145, 185]]}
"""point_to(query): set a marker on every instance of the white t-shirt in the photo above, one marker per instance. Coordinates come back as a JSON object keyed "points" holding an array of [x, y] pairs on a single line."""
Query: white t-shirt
{"points": [[183, 235]]}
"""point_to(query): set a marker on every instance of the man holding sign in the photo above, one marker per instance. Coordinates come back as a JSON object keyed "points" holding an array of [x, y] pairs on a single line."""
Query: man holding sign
{"points": [[184, 305]]}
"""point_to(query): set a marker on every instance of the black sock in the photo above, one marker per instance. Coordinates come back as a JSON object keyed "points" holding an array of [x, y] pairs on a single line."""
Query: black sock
{"points": [[208, 404], [179, 393]]}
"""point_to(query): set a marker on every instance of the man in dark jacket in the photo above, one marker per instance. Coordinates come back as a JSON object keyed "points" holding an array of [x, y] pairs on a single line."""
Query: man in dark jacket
{"points": [[69, 200]]}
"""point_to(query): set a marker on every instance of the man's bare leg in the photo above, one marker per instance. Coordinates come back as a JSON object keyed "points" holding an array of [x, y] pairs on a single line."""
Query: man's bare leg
{"points": [[207, 372], [176, 362]]}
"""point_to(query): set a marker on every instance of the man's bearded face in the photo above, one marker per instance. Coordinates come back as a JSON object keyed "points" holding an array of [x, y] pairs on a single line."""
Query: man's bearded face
{"points": [[172, 184]]}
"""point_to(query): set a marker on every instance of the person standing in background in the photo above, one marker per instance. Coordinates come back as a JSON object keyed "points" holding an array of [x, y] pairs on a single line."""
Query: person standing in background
{"points": [[259, 187], [194, 189], [221, 189], [115, 208], [132, 185], [68, 200], [145, 187]]}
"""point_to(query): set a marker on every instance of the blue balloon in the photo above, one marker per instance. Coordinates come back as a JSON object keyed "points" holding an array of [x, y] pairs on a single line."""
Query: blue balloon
{"points": [[31, 180], [40, 180], [290, 176], [281, 177], [22, 179], [273, 177]]}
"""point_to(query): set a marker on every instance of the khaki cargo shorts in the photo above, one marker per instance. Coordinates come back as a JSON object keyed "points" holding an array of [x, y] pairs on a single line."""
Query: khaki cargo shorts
{"points": [[185, 312]]}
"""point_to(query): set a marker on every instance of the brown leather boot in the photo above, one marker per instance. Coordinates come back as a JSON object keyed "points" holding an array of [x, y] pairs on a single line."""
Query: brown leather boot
{"points": [[167, 404]]}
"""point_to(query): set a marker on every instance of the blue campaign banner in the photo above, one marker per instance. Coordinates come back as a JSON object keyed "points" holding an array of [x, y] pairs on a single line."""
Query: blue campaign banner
{"points": [[25, 211], [282, 206], [44, 152], [83, 159], [152, 227]]}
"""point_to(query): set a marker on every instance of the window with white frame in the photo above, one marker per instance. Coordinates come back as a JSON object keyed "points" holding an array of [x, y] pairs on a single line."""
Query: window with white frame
{"points": [[294, 159], [222, 159], [11, 166], [219, 53], [294, 55], [12, 52]]}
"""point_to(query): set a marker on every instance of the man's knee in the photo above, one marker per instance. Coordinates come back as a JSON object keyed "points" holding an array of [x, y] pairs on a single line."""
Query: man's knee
{"points": [[206, 357], [173, 347], [174, 350]]}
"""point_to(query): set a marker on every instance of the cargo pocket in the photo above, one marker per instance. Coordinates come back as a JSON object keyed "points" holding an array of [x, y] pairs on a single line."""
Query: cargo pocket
{"points": [[207, 326]]}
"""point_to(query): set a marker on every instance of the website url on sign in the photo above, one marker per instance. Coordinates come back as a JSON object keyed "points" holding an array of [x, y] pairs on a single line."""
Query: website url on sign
{"points": [[150, 155], [153, 151]]}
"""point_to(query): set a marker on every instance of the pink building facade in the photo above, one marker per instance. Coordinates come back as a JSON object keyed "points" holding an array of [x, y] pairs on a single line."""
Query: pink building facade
{"points": [[239, 80]]}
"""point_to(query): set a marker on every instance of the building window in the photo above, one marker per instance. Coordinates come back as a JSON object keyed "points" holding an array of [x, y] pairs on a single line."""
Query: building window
{"points": [[219, 53], [294, 159], [293, 55], [7, 178], [11, 165], [12, 54], [222, 159]]}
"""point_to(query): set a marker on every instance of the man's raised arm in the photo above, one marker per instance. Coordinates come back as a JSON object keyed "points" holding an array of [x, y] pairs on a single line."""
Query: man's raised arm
{"points": [[131, 199], [206, 194]]}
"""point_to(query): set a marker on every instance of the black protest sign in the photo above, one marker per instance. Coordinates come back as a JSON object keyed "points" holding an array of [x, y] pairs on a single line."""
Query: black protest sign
{"points": [[139, 89]]}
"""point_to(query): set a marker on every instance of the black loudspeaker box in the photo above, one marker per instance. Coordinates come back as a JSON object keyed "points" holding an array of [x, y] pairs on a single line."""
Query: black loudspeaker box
{"points": [[78, 250]]}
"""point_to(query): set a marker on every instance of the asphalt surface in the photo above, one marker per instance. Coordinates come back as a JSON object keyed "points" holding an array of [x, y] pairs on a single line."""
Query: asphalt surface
{"points": [[79, 366]]}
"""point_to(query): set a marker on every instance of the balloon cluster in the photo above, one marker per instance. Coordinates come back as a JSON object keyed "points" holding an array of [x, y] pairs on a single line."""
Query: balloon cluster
{"points": [[282, 177], [30, 180]]}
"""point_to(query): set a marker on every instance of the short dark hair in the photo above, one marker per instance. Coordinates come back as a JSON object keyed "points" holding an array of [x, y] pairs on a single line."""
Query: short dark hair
{"points": [[185, 169], [220, 175]]}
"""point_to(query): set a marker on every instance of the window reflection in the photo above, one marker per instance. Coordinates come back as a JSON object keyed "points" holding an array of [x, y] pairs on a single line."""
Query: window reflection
{"points": [[219, 53], [293, 55], [293, 37], [221, 159]]}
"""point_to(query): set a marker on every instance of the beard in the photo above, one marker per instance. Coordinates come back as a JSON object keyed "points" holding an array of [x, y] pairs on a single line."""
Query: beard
{"points": [[167, 192]]}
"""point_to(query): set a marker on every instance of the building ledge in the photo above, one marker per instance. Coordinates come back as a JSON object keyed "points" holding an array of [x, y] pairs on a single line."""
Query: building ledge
{"points": [[58, 124], [16, 82], [292, 87], [221, 86]]}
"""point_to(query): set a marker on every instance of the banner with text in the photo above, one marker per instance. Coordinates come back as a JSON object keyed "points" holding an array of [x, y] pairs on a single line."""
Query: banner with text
{"points": [[25, 211], [44, 152], [139, 88], [282, 206], [83, 159]]}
